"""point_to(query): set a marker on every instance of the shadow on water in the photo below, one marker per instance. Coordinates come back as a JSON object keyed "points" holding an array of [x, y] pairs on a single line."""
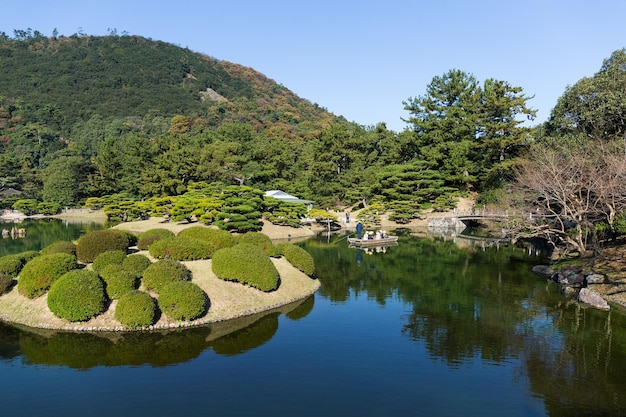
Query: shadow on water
{"points": [[87, 350]]}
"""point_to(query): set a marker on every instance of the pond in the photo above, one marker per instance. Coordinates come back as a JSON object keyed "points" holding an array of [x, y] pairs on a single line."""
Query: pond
{"points": [[429, 327], [42, 232]]}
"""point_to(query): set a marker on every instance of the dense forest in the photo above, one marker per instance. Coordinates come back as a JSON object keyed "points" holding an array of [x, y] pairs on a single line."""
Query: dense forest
{"points": [[102, 119]]}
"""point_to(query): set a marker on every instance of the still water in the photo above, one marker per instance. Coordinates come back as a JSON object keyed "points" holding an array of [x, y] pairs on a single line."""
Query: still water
{"points": [[425, 328]]}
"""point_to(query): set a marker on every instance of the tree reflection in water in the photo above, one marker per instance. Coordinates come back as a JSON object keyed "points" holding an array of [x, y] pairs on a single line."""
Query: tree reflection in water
{"points": [[471, 302], [87, 350]]}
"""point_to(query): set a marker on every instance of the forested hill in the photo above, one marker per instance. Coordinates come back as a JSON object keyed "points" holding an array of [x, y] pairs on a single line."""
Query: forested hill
{"points": [[72, 78], [95, 116]]}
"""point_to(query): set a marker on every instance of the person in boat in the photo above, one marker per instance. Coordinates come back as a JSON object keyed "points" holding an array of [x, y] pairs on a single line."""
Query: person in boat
{"points": [[359, 230]]}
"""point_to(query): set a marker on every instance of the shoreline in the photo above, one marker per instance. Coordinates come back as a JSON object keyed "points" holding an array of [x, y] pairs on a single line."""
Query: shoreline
{"points": [[227, 300]]}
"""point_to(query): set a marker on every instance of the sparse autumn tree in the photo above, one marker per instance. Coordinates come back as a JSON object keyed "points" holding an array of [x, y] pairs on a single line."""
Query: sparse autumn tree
{"points": [[576, 183]]}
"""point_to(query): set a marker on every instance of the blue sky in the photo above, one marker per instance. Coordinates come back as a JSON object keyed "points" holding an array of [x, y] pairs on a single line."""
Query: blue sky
{"points": [[362, 59]]}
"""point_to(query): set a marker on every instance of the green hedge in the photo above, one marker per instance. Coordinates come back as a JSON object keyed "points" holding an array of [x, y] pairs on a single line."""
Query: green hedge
{"points": [[39, 273], [216, 238], [11, 265], [148, 237], [164, 272], [60, 247], [118, 280], [6, 282], [110, 257], [130, 236], [136, 310], [77, 296], [247, 264], [96, 242], [28, 255], [182, 300], [136, 264], [181, 248], [298, 257], [261, 240]]}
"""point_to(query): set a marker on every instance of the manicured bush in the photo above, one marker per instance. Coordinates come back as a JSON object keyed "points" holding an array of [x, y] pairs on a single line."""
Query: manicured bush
{"points": [[96, 242], [11, 265], [130, 236], [6, 282], [216, 238], [182, 300], [136, 310], [60, 247], [118, 280], [247, 264], [181, 248], [136, 264], [161, 273], [28, 255], [77, 296], [261, 240], [298, 257], [150, 236], [110, 257], [40, 273], [47, 208]]}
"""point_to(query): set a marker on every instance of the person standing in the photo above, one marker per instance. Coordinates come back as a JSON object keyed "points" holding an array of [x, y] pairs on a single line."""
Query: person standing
{"points": [[359, 230]]}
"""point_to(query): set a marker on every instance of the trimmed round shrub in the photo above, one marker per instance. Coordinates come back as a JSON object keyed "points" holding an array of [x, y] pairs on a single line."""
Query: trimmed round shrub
{"points": [[247, 264], [118, 281], [96, 242], [216, 238], [181, 248], [110, 257], [164, 272], [60, 247], [136, 310], [261, 240], [28, 255], [298, 257], [130, 236], [182, 300], [136, 264], [11, 265], [41, 272], [6, 282], [77, 296], [148, 237]]}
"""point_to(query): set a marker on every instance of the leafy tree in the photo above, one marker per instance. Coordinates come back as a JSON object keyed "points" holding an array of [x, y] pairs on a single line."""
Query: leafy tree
{"points": [[283, 213], [26, 206], [595, 106], [501, 136], [468, 133], [412, 182], [63, 180], [445, 122]]}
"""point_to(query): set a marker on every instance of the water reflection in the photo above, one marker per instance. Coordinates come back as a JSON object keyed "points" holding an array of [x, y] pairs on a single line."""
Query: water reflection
{"points": [[39, 233], [469, 302], [88, 350]]}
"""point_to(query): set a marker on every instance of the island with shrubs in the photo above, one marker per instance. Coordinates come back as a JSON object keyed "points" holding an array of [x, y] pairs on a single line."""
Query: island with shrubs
{"points": [[117, 280]]}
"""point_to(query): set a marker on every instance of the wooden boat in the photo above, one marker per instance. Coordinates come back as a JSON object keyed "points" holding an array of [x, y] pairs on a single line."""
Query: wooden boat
{"points": [[381, 241]]}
